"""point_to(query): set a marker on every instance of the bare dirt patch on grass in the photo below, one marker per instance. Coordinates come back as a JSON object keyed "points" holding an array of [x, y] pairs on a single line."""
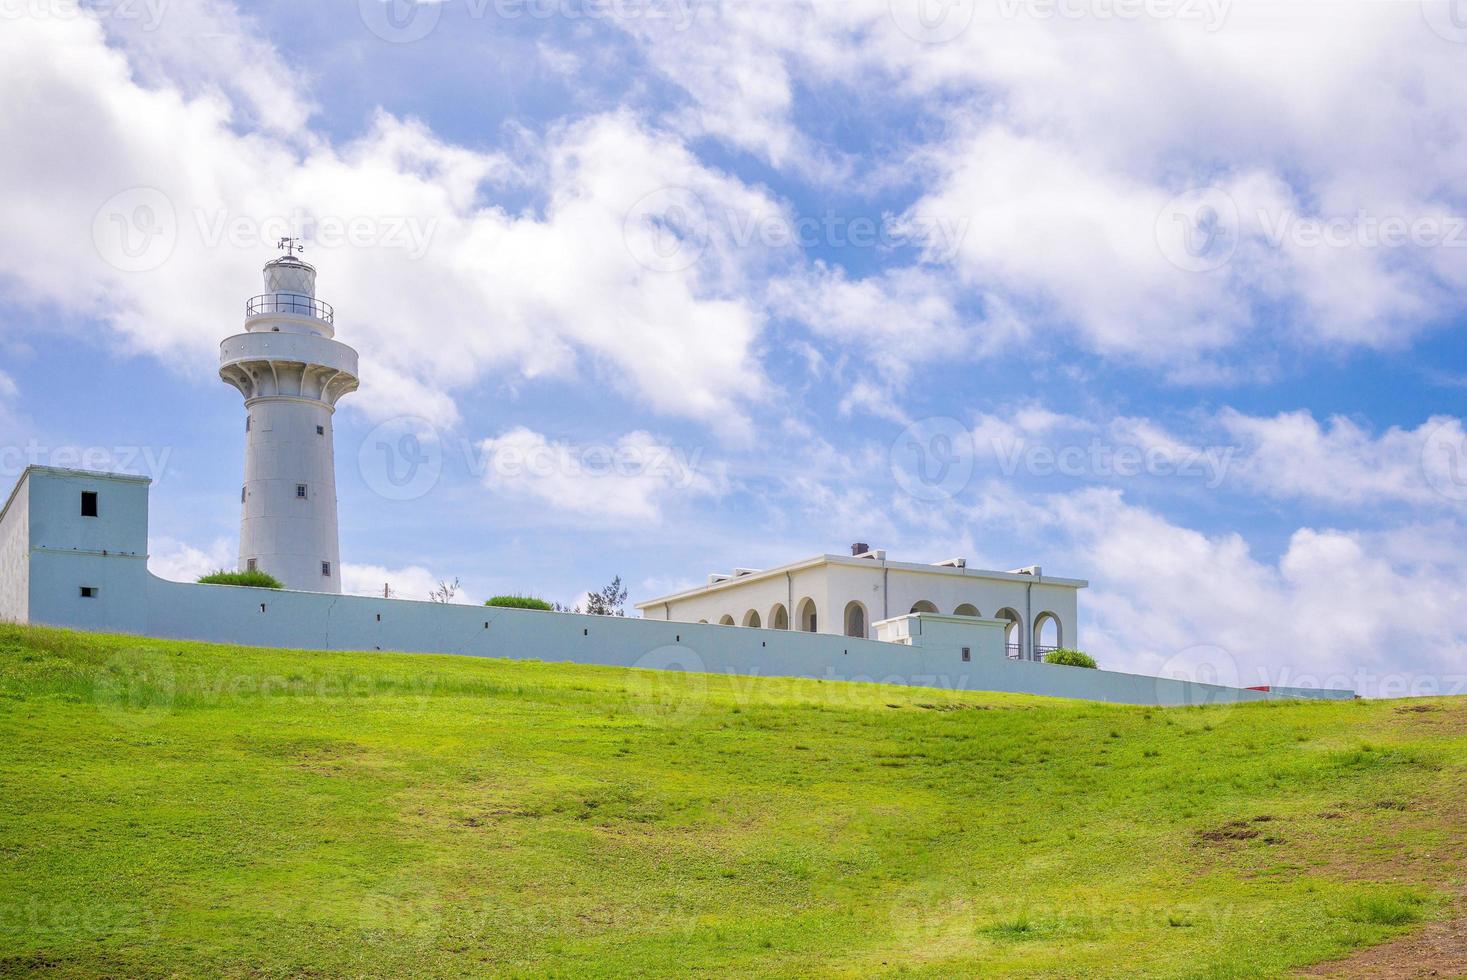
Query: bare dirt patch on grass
{"points": [[1438, 950]]}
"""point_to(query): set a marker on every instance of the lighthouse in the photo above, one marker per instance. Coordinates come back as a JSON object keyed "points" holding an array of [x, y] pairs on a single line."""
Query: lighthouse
{"points": [[291, 371]]}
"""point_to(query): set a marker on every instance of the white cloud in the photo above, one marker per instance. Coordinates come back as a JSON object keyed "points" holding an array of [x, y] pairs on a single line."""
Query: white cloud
{"points": [[1339, 607], [181, 207], [1296, 111], [631, 479], [410, 582], [1292, 456], [178, 561]]}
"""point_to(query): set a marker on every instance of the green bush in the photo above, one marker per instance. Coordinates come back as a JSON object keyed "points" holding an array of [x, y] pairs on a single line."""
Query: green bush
{"points": [[520, 602], [1071, 658], [253, 580]]}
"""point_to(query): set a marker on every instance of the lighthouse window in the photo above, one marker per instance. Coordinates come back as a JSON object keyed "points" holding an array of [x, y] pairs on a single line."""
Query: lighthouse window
{"points": [[252, 565], [88, 592], [249, 422], [89, 503], [300, 491], [320, 430], [326, 569]]}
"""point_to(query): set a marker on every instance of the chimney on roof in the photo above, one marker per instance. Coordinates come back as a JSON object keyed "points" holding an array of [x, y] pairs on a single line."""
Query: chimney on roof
{"points": [[860, 548]]}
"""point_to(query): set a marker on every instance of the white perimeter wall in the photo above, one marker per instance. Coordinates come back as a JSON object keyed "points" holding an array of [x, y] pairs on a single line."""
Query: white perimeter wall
{"points": [[107, 553], [15, 546], [260, 617]]}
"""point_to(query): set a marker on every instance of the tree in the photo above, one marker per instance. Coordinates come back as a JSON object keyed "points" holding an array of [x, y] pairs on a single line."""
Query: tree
{"points": [[445, 592], [610, 601]]}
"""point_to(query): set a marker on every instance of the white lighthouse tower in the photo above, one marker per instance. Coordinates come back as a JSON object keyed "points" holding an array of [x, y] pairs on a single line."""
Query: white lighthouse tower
{"points": [[291, 371]]}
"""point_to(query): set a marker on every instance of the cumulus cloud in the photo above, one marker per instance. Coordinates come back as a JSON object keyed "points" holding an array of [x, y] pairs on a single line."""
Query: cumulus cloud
{"points": [[158, 229], [1292, 455], [1337, 607], [1301, 124], [178, 561], [632, 478], [411, 582]]}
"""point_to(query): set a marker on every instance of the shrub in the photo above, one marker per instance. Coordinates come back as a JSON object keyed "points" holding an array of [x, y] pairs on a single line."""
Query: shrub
{"points": [[253, 580], [520, 602], [1071, 658]]}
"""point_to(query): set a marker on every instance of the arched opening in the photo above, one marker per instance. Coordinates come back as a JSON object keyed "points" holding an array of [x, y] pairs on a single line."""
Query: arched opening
{"points": [[809, 621], [1013, 632], [967, 609], [751, 619], [702, 622], [925, 607], [1048, 637], [779, 617], [726, 621], [856, 620]]}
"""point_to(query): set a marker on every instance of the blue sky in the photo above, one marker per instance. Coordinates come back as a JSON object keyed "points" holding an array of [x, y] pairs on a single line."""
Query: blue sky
{"points": [[1223, 240]]}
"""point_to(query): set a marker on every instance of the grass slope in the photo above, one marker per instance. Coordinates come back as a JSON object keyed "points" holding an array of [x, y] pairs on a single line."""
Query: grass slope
{"points": [[176, 808]]}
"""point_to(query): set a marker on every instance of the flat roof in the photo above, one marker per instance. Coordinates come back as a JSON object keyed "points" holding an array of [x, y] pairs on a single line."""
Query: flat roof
{"points": [[864, 562], [60, 471]]}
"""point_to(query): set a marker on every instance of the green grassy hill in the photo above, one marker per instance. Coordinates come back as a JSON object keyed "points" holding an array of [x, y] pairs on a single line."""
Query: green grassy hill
{"points": [[183, 809]]}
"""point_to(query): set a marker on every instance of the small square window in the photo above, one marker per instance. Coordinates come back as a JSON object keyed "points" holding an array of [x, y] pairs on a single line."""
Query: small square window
{"points": [[300, 491], [253, 565], [88, 592], [89, 503], [967, 655], [320, 430], [325, 569]]}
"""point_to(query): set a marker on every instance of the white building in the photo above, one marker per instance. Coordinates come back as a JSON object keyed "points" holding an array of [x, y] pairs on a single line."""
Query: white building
{"points": [[291, 371], [73, 553], [856, 595]]}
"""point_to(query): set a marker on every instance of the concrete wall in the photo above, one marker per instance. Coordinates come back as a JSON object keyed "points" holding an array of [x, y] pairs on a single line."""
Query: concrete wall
{"points": [[261, 617], [106, 554], [15, 549]]}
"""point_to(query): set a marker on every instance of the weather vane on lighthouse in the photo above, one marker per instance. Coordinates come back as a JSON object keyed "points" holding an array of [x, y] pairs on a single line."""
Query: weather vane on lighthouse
{"points": [[290, 245]]}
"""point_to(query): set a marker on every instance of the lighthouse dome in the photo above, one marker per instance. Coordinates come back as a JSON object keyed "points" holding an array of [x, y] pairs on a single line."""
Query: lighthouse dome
{"points": [[289, 274]]}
